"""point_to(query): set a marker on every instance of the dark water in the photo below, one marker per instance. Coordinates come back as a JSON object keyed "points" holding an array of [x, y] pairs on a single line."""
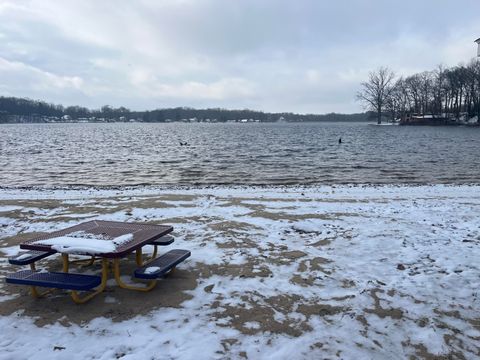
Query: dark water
{"points": [[131, 154]]}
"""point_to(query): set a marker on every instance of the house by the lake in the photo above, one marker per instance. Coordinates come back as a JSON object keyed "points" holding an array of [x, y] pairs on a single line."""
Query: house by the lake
{"points": [[425, 119]]}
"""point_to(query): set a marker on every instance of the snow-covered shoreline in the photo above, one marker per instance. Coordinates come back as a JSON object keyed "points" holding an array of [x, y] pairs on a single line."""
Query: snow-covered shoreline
{"points": [[86, 192], [352, 272]]}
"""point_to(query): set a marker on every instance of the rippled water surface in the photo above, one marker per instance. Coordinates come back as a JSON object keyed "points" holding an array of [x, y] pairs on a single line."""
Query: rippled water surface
{"points": [[131, 154]]}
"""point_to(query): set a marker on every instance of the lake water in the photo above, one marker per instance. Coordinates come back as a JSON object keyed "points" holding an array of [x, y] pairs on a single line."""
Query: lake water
{"points": [[137, 153]]}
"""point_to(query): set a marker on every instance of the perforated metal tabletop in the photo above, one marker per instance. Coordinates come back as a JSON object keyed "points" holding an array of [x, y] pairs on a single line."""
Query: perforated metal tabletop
{"points": [[143, 234]]}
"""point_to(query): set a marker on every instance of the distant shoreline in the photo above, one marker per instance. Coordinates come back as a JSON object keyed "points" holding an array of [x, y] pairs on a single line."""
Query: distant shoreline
{"points": [[15, 109], [187, 122], [369, 122]]}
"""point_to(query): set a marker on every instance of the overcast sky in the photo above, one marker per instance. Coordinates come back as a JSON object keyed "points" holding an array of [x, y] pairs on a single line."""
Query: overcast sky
{"points": [[306, 56]]}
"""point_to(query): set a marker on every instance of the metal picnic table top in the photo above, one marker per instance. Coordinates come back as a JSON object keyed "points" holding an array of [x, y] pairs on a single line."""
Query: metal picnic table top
{"points": [[143, 234]]}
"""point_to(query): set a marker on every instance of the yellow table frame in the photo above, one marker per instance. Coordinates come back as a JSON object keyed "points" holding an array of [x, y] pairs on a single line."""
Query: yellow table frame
{"points": [[106, 268]]}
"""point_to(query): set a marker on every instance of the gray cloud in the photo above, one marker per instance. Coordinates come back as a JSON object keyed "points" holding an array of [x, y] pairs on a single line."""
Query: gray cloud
{"points": [[274, 55]]}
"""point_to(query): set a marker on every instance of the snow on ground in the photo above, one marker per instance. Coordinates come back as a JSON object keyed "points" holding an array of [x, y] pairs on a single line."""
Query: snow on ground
{"points": [[365, 272]]}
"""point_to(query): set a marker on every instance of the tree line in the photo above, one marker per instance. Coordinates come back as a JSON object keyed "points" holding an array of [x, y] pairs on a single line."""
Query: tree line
{"points": [[14, 108], [448, 93]]}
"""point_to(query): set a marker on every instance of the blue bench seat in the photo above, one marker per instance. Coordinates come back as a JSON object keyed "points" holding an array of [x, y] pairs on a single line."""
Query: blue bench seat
{"points": [[28, 257], [163, 241], [57, 280], [161, 265]]}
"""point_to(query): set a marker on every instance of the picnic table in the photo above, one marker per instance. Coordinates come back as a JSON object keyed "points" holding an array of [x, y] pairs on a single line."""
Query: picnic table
{"points": [[109, 241]]}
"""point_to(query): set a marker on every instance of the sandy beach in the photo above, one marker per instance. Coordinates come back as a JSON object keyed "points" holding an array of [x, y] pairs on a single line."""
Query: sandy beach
{"points": [[355, 272]]}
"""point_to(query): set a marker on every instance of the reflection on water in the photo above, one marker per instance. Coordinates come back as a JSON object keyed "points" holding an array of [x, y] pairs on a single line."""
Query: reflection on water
{"points": [[131, 154]]}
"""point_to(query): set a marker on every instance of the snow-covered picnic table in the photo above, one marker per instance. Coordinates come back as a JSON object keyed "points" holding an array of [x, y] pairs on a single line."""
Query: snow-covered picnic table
{"points": [[107, 240]]}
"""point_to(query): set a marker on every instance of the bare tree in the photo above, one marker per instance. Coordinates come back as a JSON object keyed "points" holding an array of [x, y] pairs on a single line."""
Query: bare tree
{"points": [[452, 93], [377, 90], [439, 89], [398, 103], [414, 88], [474, 71]]}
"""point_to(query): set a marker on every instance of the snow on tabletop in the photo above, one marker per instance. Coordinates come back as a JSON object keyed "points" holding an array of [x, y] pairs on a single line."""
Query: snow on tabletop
{"points": [[122, 239], [85, 245], [350, 272]]}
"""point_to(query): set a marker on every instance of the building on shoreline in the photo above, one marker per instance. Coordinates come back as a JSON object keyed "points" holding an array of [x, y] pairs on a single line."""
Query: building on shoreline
{"points": [[439, 120]]}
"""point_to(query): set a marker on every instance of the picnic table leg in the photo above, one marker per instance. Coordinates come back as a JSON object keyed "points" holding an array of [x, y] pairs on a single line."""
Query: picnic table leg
{"points": [[154, 255], [116, 270], [33, 289], [66, 264], [36, 294], [91, 261], [155, 249], [84, 262], [138, 257], [80, 300]]}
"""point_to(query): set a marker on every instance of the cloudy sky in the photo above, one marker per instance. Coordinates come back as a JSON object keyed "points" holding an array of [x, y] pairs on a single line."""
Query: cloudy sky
{"points": [[304, 56]]}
